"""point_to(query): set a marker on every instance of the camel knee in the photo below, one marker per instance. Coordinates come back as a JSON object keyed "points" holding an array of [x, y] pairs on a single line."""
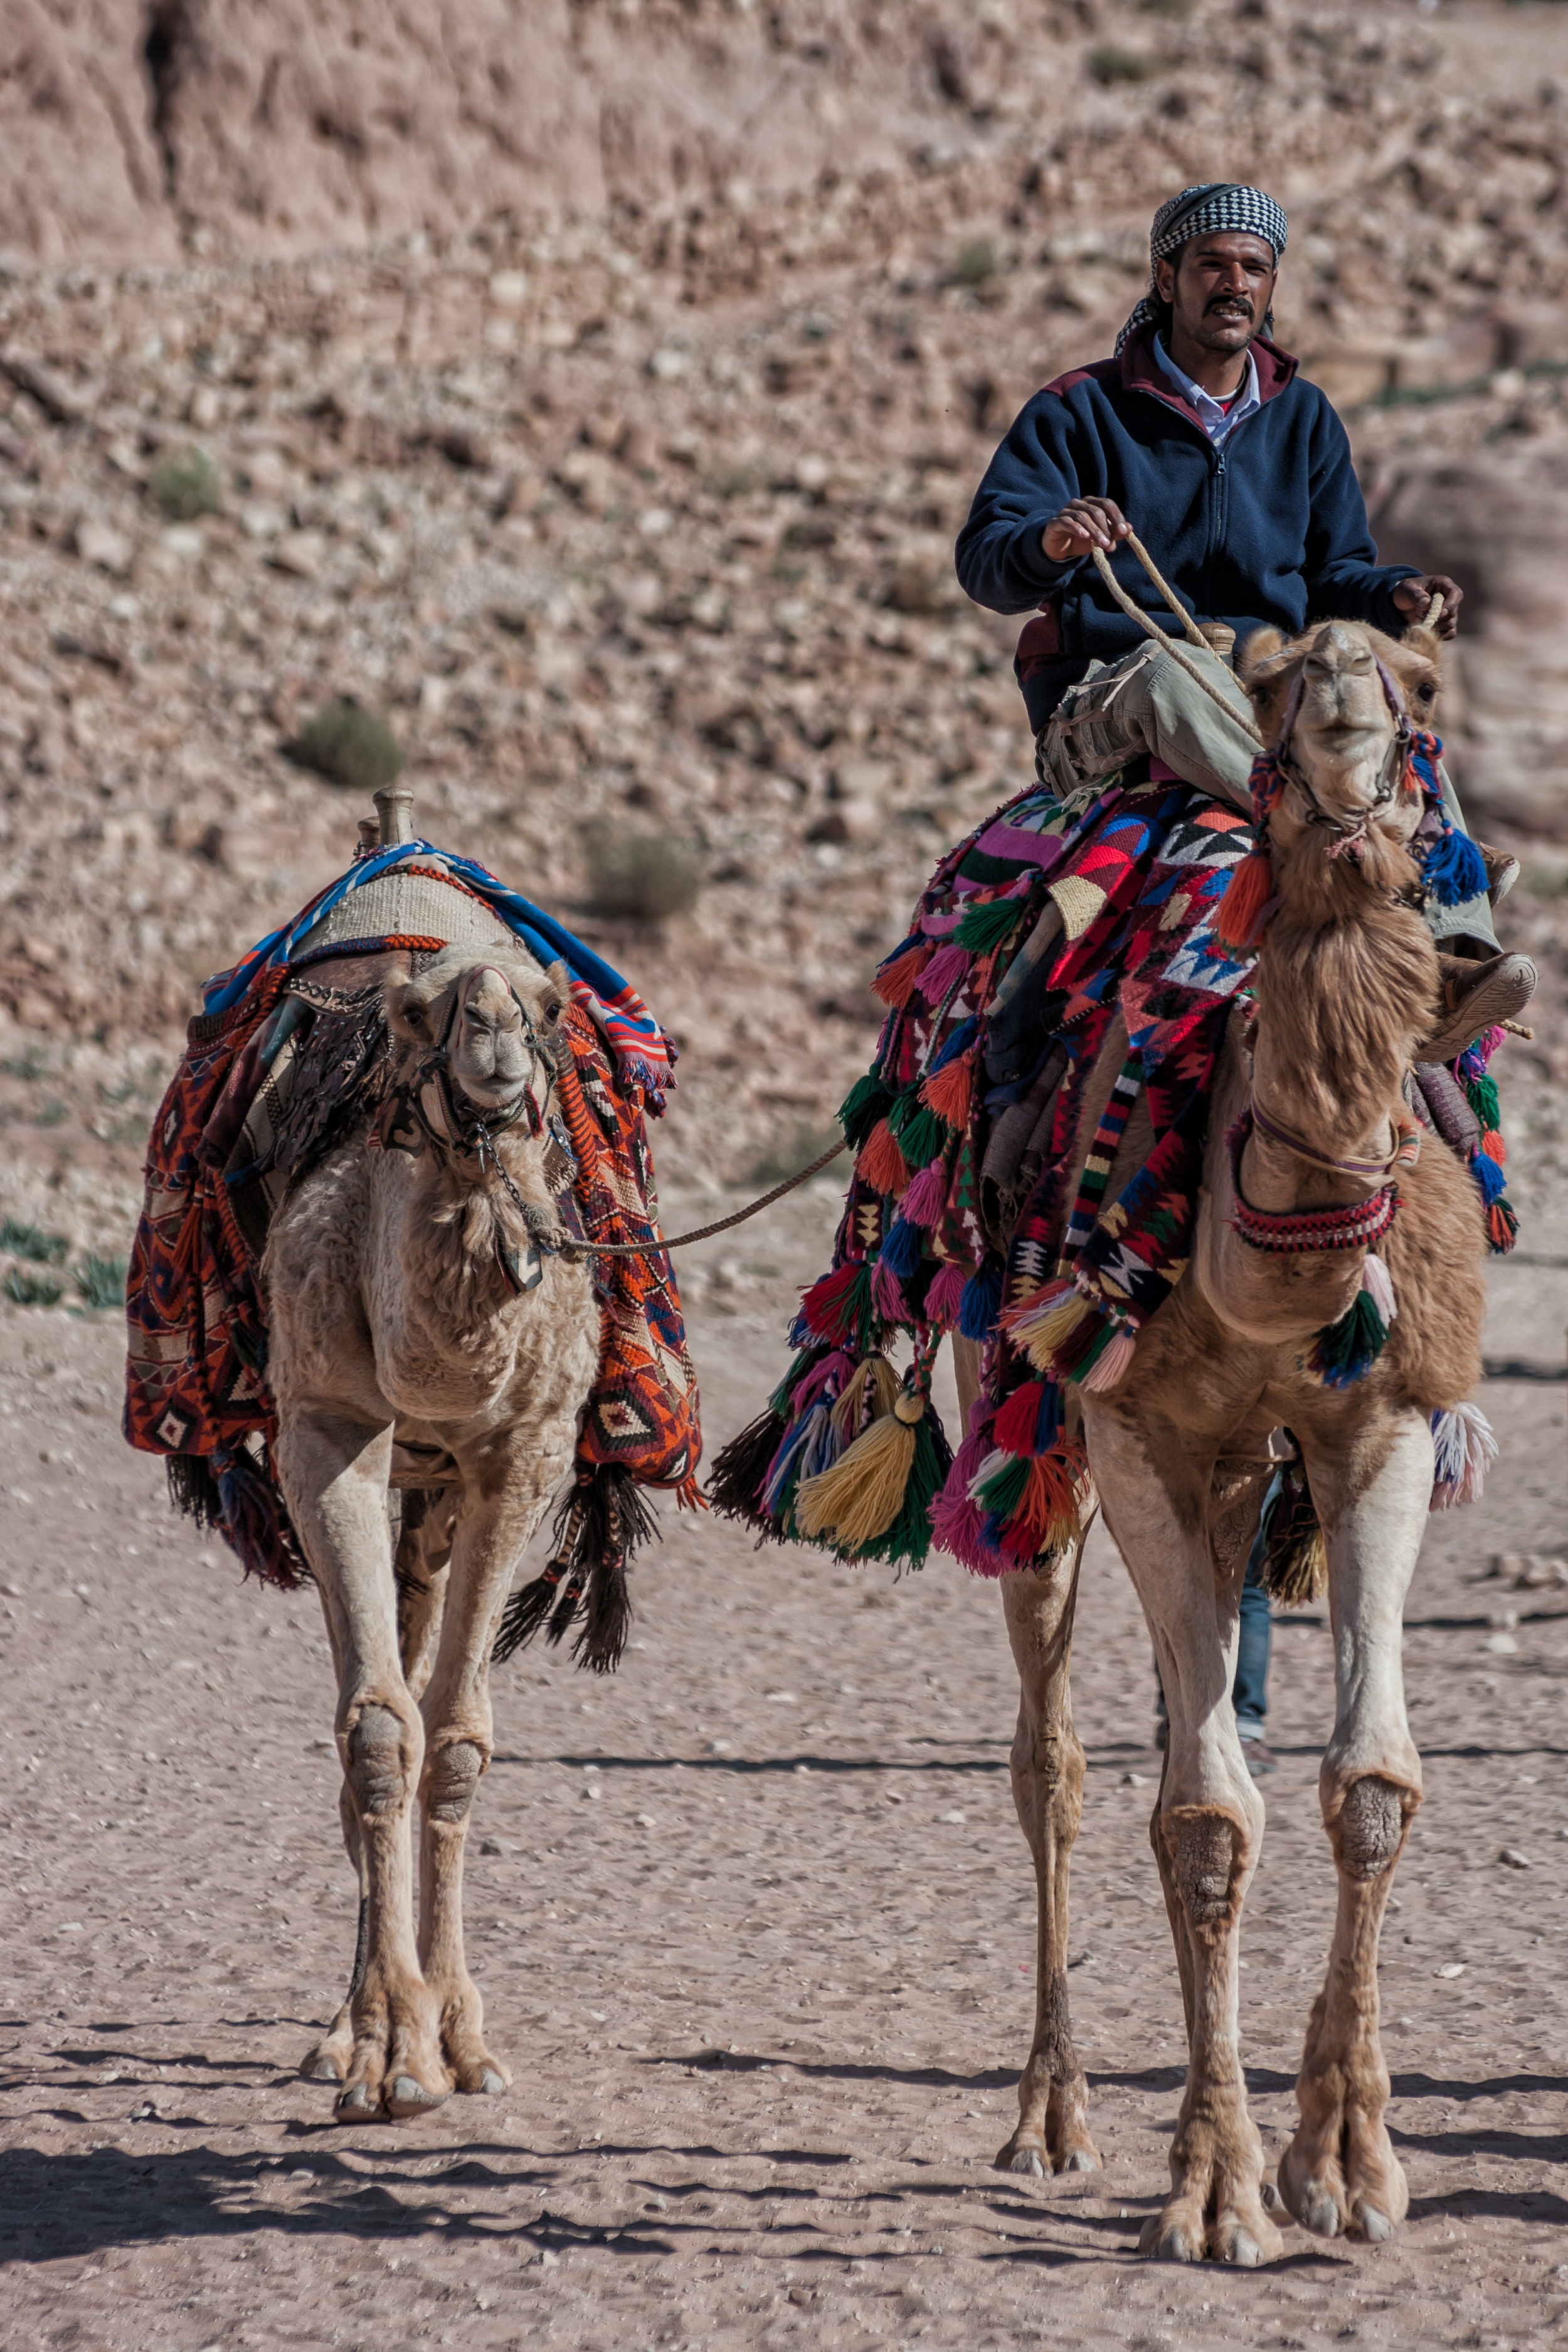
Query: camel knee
{"points": [[375, 1764], [1370, 1828], [451, 1775], [1206, 1857]]}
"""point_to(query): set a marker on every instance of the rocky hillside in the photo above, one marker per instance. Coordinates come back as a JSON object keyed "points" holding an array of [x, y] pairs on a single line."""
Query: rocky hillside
{"points": [[627, 500]]}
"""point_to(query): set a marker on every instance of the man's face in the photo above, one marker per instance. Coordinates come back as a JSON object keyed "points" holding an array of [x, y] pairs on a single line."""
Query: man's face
{"points": [[1219, 288]]}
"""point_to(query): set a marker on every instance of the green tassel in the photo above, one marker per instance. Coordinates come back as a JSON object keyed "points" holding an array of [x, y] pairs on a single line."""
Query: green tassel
{"points": [[867, 1101], [1004, 1490], [1482, 1096], [983, 927], [922, 1134], [1346, 1351]]}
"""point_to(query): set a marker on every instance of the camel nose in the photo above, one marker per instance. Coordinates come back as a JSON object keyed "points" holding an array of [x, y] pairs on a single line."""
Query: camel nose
{"points": [[1336, 653], [490, 1005]]}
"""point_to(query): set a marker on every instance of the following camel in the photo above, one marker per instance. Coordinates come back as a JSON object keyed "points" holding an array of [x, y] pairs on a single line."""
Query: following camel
{"points": [[1234, 1262], [425, 1138]]}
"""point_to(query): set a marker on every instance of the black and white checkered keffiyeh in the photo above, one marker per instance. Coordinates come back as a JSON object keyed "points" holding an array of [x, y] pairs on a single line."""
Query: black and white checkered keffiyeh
{"points": [[1215, 207]]}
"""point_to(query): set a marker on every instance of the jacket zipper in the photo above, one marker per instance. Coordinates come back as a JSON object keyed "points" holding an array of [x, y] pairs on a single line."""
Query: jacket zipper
{"points": [[1219, 502]]}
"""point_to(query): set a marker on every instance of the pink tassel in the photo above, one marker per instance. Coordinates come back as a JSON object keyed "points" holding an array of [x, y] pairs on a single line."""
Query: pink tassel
{"points": [[927, 1197], [886, 1294], [948, 964], [945, 1296], [1113, 1361]]}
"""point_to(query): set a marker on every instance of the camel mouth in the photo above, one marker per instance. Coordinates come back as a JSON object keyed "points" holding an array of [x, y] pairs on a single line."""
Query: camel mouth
{"points": [[500, 1097]]}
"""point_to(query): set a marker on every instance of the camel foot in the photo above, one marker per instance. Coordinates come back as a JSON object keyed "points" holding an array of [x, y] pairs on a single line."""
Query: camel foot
{"points": [[330, 2060], [485, 2081], [1025, 2153], [405, 2096], [1340, 2175], [356, 2105], [1182, 2234]]}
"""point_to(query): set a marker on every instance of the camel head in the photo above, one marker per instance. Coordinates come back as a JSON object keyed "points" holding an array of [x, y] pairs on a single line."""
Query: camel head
{"points": [[493, 1012], [1335, 695]]}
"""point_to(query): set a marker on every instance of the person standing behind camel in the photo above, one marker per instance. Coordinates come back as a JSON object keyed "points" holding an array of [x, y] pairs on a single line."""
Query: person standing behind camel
{"points": [[1236, 474]]}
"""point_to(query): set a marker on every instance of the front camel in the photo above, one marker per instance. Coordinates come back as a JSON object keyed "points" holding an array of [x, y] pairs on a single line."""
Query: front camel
{"points": [[367, 1329], [1219, 1256]]}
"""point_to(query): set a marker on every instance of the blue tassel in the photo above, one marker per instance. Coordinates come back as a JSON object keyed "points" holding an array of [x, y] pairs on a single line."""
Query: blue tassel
{"points": [[1048, 1420], [982, 1301], [1453, 868], [963, 1037], [903, 1249], [1489, 1177]]}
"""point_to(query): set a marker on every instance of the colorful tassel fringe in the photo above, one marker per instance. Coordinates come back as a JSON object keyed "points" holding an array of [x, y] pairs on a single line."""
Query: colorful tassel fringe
{"points": [[1346, 1351], [1463, 1445], [1246, 894], [881, 1166]]}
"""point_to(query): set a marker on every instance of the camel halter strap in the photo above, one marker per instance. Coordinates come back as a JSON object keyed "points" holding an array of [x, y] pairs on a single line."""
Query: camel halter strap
{"points": [[1290, 1233], [1404, 1153]]}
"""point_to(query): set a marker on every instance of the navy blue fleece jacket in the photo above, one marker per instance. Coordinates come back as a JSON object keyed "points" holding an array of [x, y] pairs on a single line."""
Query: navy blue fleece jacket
{"points": [[1269, 528]]}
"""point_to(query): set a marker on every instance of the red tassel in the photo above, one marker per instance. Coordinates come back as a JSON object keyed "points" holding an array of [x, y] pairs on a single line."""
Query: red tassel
{"points": [[948, 1091], [1246, 894], [822, 1305], [881, 1165], [1015, 1426], [895, 984], [1494, 1147]]}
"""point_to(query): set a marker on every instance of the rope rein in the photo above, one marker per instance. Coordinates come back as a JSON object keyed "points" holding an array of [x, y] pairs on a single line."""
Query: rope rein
{"points": [[1163, 639]]}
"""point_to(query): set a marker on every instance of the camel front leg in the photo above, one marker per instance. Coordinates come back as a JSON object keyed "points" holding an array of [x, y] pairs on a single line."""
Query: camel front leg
{"points": [[1340, 2172], [507, 1481], [1047, 1763], [1209, 1823], [334, 1470]]}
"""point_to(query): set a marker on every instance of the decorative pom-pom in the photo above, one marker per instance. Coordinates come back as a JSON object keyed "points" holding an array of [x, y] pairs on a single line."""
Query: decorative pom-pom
{"points": [[922, 1134], [1346, 1351], [1378, 1283], [1494, 1147], [984, 928], [867, 1101], [881, 1166], [948, 1091], [944, 1299], [1463, 1445], [1488, 1176], [1246, 894], [963, 1037], [887, 1293], [858, 1499], [1482, 1096], [903, 1250], [982, 1299], [1453, 868], [895, 983], [947, 967], [926, 1199], [1017, 1420], [1114, 1360], [1502, 1228]]}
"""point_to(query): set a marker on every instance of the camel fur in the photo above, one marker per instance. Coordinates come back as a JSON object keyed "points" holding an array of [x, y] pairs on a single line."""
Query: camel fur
{"points": [[1179, 1450], [394, 1325]]}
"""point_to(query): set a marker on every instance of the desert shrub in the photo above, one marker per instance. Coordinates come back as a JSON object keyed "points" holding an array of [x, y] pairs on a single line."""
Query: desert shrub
{"points": [[187, 486], [786, 1155], [1110, 64], [24, 1289], [33, 1242], [645, 876], [101, 1282], [975, 263], [348, 745]]}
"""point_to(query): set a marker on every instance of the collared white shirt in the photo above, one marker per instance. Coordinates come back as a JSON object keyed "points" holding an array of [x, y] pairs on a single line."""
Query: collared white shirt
{"points": [[1217, 422]]}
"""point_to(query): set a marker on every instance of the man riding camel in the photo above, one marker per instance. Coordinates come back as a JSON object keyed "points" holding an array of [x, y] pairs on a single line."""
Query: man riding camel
{"points": [[1201, 435]]}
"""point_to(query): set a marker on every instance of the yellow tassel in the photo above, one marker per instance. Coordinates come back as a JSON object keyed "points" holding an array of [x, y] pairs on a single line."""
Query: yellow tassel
{"points": [[1040, 1339], [858, 1499], [851, 1411]]}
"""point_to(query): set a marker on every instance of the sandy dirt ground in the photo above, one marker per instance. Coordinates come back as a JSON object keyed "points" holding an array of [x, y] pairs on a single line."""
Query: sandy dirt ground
{"points": [[755, 1926]]}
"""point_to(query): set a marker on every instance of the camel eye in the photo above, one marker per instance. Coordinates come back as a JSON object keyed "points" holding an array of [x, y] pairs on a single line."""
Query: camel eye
{"points": [[1425, 694], [552, 1011]]}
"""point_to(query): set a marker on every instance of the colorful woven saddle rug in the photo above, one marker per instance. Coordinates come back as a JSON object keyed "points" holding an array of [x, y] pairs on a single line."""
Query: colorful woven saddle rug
{"points": [[291, 1057], [1053, 918]]}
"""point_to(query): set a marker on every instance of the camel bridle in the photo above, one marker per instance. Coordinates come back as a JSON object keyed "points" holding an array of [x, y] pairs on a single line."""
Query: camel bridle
{"points": [[1347, 834]]}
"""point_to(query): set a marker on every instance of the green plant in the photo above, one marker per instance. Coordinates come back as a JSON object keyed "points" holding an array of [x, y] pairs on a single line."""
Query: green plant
{"points": [[976, 262], [32, 1241], [1109, 64], [646, 875], [348, 745], [53, 1113], [32, 1289], [788, 1154], [32, 1064], [101, 1281], [187, 486]]}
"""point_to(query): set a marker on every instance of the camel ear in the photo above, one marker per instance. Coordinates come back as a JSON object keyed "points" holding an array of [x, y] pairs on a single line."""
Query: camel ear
{"points": [[1260, 647], [1424, 642]]}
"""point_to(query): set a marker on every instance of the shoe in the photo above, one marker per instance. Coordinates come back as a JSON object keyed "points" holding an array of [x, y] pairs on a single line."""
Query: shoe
{"points": [[1260, 1758], [1475, 997]]}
